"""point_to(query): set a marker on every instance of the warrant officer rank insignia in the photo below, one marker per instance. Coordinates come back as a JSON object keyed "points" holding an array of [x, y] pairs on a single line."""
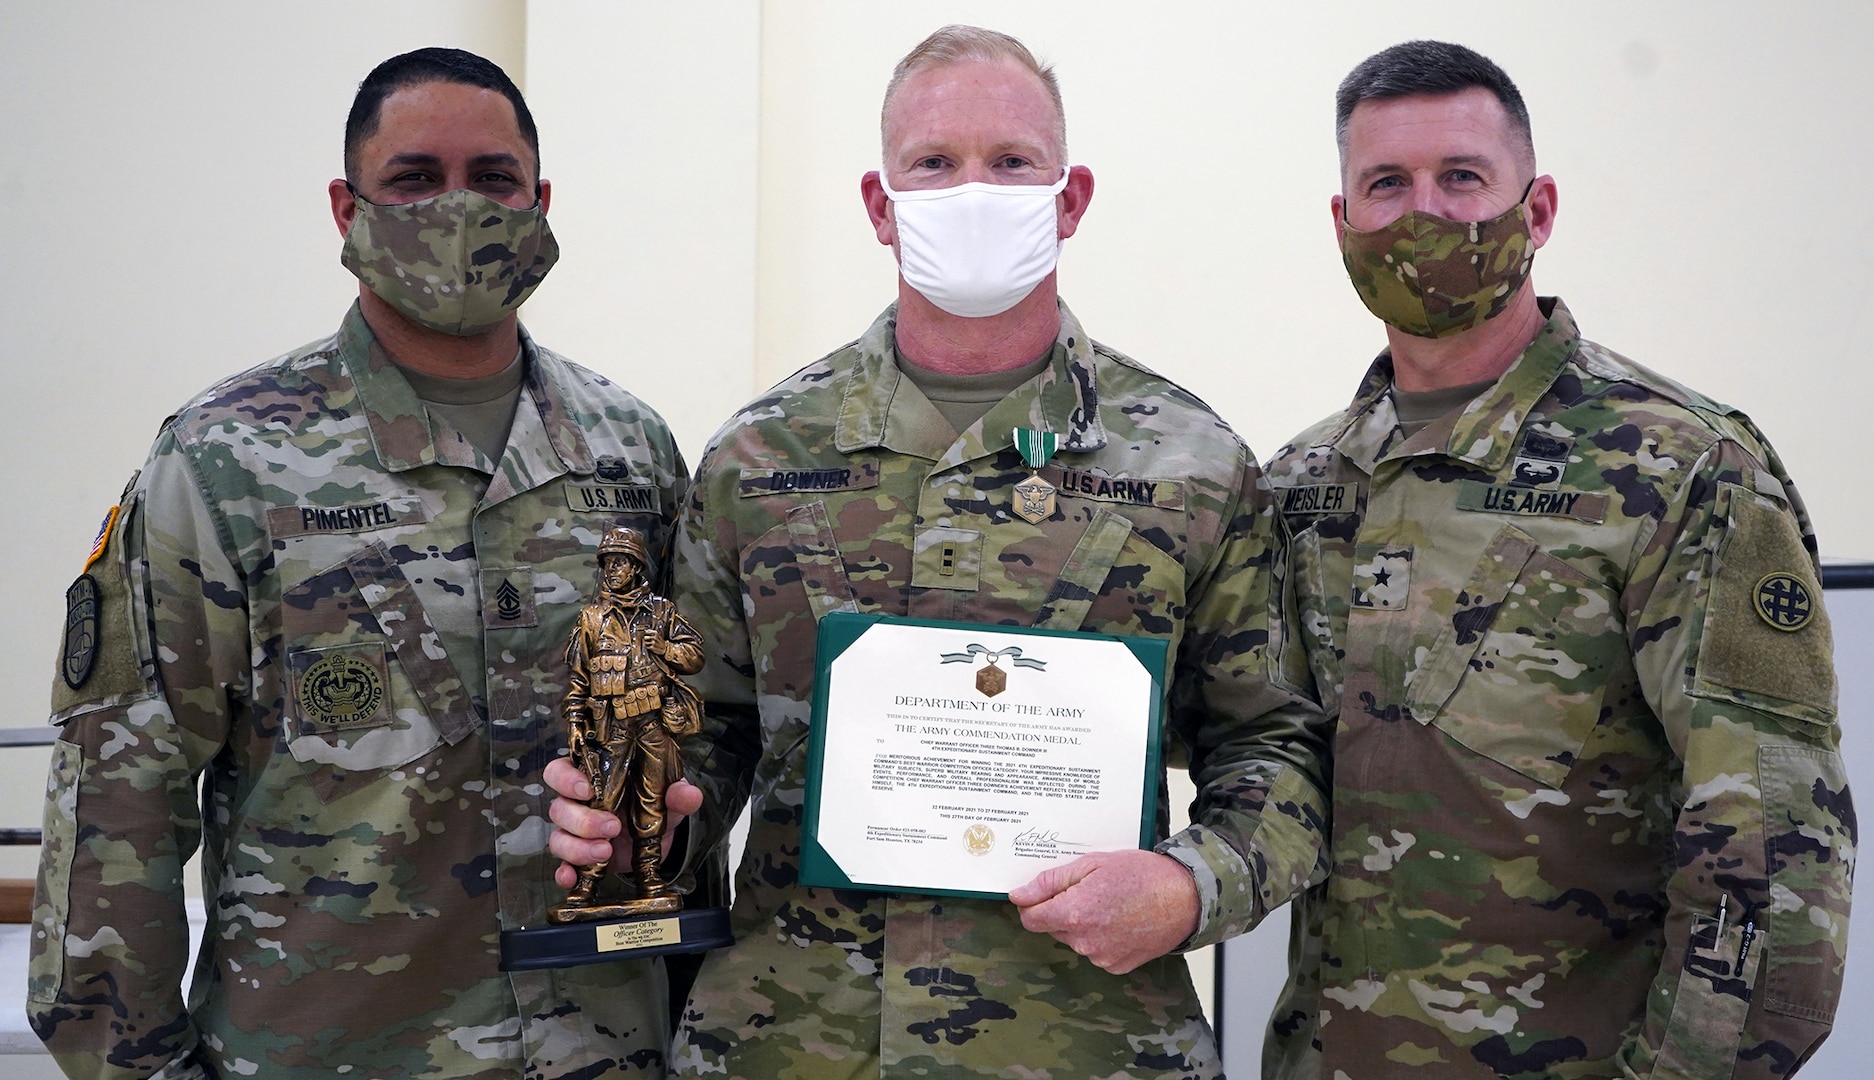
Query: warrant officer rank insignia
{"points": [[1034, 497], [1783, 601]]}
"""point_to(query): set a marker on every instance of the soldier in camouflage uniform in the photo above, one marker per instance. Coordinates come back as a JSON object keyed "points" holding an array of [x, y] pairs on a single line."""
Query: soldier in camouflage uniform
{"points": [[867, 483], [1589, 815], [323, 636]]}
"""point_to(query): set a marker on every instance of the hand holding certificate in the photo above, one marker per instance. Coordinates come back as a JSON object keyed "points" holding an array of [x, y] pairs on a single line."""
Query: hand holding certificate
{"points": [[965, 759]]}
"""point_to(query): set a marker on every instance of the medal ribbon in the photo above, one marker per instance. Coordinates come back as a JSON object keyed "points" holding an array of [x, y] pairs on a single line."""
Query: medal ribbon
{"points": [[1036, 446]]}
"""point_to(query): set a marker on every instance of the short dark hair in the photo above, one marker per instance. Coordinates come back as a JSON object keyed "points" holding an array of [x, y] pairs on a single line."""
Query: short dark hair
{"points": [[425, 66], [1427, 67]]}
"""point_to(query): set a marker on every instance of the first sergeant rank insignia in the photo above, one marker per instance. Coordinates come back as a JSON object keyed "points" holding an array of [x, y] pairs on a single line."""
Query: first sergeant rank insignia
{"points": [[1034, 497], [1783, 601]]}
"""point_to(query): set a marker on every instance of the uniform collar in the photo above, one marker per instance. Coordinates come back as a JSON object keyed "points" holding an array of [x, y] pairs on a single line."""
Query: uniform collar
{"points": [[400, 429], [880, 407], [1483, 433]]}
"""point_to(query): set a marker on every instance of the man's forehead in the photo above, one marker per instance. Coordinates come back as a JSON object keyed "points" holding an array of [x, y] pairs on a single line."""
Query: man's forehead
{"points": [[989, 99], [1473, 113], [417, 119]]}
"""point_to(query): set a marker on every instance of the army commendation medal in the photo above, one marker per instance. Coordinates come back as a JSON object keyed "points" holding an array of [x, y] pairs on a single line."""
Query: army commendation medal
{"points": [[962, 759], [1034, 497], [626, 707]]}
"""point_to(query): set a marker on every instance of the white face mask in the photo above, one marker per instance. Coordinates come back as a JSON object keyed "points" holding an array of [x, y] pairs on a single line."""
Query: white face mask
{"points": [[976, 249]]}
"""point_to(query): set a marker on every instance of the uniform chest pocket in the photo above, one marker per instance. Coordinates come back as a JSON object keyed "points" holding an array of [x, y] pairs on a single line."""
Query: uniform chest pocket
{"points": [[1321, 550], [368, 688], [1522, 661]]}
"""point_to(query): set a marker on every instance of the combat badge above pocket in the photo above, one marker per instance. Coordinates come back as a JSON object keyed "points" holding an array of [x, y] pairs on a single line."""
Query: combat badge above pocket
{"points": [[1765, 642]]}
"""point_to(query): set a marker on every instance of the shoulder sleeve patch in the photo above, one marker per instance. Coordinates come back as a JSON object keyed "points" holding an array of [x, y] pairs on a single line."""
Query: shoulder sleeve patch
{"points": [[1765, 641], [101, 654], [104, 534]]}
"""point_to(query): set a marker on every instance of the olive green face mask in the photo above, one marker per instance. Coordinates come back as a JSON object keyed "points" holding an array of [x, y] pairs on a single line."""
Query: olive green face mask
{"points": [[1431, 276], [457, 263]]}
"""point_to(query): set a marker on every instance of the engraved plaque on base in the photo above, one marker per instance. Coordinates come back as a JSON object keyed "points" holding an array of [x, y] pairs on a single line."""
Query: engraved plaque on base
{"points": [[618, 939]]}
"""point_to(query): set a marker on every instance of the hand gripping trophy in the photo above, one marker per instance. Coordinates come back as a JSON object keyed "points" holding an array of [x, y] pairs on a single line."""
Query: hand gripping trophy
{"points": [[625, 709]]}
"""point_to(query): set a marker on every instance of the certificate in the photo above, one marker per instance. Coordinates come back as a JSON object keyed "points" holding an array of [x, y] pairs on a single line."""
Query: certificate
{"points": [[963, 759]]}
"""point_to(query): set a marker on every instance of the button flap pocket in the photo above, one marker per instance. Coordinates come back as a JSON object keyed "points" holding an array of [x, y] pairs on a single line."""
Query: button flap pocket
{"points": [[400, 616], [1085, 571], [1532, 659], [1430, 683], [816, 552]]}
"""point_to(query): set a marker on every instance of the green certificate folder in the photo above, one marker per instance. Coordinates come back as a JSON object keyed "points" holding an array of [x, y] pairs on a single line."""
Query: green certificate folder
{"points": [[962, 759]]}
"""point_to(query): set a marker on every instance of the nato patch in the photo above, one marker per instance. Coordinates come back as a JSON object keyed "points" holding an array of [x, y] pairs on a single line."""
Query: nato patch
{"points": [[339, 689], [80, 653], [1782, 600], [587, 497], [1587, 506], [1316, 499]]}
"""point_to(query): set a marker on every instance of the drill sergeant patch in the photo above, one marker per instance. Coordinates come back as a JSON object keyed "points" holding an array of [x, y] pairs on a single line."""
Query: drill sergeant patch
{"points": [[339, 689]]}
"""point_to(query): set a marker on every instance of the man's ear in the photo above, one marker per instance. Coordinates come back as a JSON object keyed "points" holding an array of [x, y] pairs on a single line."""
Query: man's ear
{"points": [[1073, 199], [1541, 205], [344, 204], [878, 208]]}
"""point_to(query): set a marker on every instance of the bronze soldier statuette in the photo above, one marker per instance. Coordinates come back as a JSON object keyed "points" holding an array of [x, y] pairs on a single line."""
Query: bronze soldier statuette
{"points": [[626, 708]]}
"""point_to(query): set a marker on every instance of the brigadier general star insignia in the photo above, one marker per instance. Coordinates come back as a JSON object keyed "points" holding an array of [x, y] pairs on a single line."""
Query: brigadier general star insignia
{"points": [[1034, 497]]}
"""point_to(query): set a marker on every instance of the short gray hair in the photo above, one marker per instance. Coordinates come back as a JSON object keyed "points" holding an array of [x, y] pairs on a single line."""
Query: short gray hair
{"points": [[956, 43]]}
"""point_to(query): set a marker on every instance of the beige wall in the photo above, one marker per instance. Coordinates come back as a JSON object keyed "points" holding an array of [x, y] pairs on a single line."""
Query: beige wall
{"points": [[164, 166], [1708, 157], [649, 124]]}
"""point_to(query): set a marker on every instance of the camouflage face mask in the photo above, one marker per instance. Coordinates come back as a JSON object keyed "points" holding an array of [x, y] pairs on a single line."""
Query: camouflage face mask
{"points": [[457, 263], [1433, 277]]}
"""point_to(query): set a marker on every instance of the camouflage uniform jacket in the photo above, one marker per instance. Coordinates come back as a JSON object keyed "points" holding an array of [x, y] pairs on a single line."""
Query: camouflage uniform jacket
{"points": [[843, 489], [1589, 816], [333, 652]]}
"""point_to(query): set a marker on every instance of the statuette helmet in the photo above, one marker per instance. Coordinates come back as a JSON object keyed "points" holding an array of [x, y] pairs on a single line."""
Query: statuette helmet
{"points": [[629, 542]]}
